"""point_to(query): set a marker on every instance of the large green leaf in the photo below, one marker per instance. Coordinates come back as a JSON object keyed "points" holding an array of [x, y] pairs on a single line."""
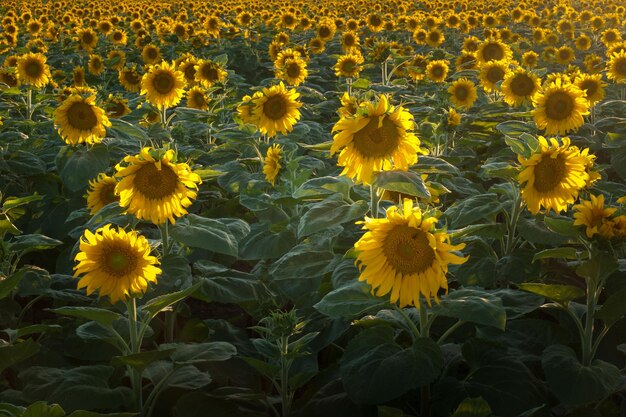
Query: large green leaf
{"points": [[469, 210], [142, 359], [599, 267], [187, 353], [352, 300], [31, 243], [12, 354], [83, 165], [302, 262], [374, 369], [264, 242], [559, 253], [473, 407], [158, 304], [8, 284], [41, 409], [556, 292], [474, 306], [83, 413], [575, 384], [101, 315], [405, 182], [210, 234], [328, 213], [614, 308]]}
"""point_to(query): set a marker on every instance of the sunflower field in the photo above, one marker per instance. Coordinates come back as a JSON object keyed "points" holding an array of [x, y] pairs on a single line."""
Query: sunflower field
{"points": [[340, 208]]}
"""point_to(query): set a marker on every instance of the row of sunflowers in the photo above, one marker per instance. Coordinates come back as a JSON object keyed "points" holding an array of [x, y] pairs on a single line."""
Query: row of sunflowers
{"points": [[342, 208]]}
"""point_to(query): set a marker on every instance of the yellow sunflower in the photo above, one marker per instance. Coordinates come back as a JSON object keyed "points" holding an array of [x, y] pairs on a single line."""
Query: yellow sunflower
{"points": [[492, 73], [209, 73], [437, 70], [553, 176], [565, 55], [349, 106], [151, 54], [530, 59], [519, 87], [197, 99], [130, 79], [116, 263], [80, 120], [594, 216], [559, 108], [616, 67], [348, 66], [592, 85], [434, 38], [163, 85], [154, 188], [275, 110], [101, 192], [293, 71], [271, 164], [453, 118], [404, 254], [378, 138], [95, 65], [463, 93], [88, 39], [493, 50], [117, 107], [33, 70]]}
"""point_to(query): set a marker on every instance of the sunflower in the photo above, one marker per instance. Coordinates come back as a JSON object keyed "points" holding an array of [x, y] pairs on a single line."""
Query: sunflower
{"points": [[592, 85], [130, 79], [87, 39], [271, 164], [276, 110], [196, 99], [317, 46], [326, 30], [95, 65], [417, 67], [378, 138], [118, 37], [463, 93], [163, 85], [594, 216], [117, 107], [492, 73], [78, 77], [553, 176], [519, 87], [209, 73], [453, 118], [565, 55], [80, 120], [493, 50], [154, 188], [349, 106], [116, 59], [466, 61], [116, 263], [616, 67], [582, 42], [188, 67], [434, 38], [293, 71], [559, 108], [349, 41], [348, 66], [593, 64], [530, 59], [610, 37], [437, 70], [404, 254], [33, 70], [244, 109], [151, 54], [9, 78], [101, 192]]}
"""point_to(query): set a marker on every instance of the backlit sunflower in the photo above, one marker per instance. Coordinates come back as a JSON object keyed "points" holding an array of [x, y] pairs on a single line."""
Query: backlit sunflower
{"points": [[196, 99], [592, 85], [116, 59], [209, 73], [552, 177], [530, 59], [492, 73], [463, 93], [493, 50], [348, 66], [616, 67], [349, 106], [417, 67], [559, 108], [404, 254], [80, 120], [594, 216], [275, 110], [87, 39], [454, 118], [519, 87], [188, 67], [151, 54], [101, 192], [163, 85], [293, 71], [565, 55], [437, 70], [130, 79], [116, 107], [154, 188], [116, 263], [95, 65], [33, 70], [271, 164], [378, 138]]}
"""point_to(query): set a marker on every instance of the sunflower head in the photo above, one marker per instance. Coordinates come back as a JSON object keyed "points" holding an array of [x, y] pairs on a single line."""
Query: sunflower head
{"points": [[592, 85], [209, 73], [519, 87], [560, 107], [293, 71], [154, 187], [101, 192], [491, 73], [276, 110], [462, 93], [197, 99], [271, 164], [33, 70], [348, 66], [163, 85], [130, 79], [115, 263], [594, 216], [437, 70], [493, 50], [80, 120], [616, 67], [403, 254]]}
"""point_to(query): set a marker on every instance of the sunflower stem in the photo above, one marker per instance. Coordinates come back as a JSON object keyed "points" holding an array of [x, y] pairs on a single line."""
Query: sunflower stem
{"points": [[409, 322], [587, 348], [135, 347], [349, 82], [450, 330], [29, 103], [164, 117], [518, 205], [424, 326], [165, 238], [374, 201]]}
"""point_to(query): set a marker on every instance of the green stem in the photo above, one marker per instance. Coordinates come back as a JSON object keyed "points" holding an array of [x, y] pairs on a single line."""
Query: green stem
{"points": [[596, 344], [165, 238], [152, 398], [450, 330], [29, 103], [518, 206], [424, 325], [373, 201], [135, 347], [349, 81], [284, 377], [411, 324], [587, 348], [164, 117]]}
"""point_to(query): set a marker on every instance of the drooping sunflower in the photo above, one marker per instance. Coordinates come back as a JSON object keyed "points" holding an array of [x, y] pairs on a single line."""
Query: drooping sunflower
{"points": [[466, 61], [271, 164], [293, 71], [616, 67], [80, 120], [492, 73], [592, 85], [116, 263], [209, 73], [101, 192], [117, 59], [348, 66], [155, 188], [437, 70], [519, 87], [404, 254], [163, 85], [196, 98], [559, 108], [33, 70], [349, 106], [378, 138], [275, 110], [463, 93], [594, 216], [552, 177], [130, 79]]}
